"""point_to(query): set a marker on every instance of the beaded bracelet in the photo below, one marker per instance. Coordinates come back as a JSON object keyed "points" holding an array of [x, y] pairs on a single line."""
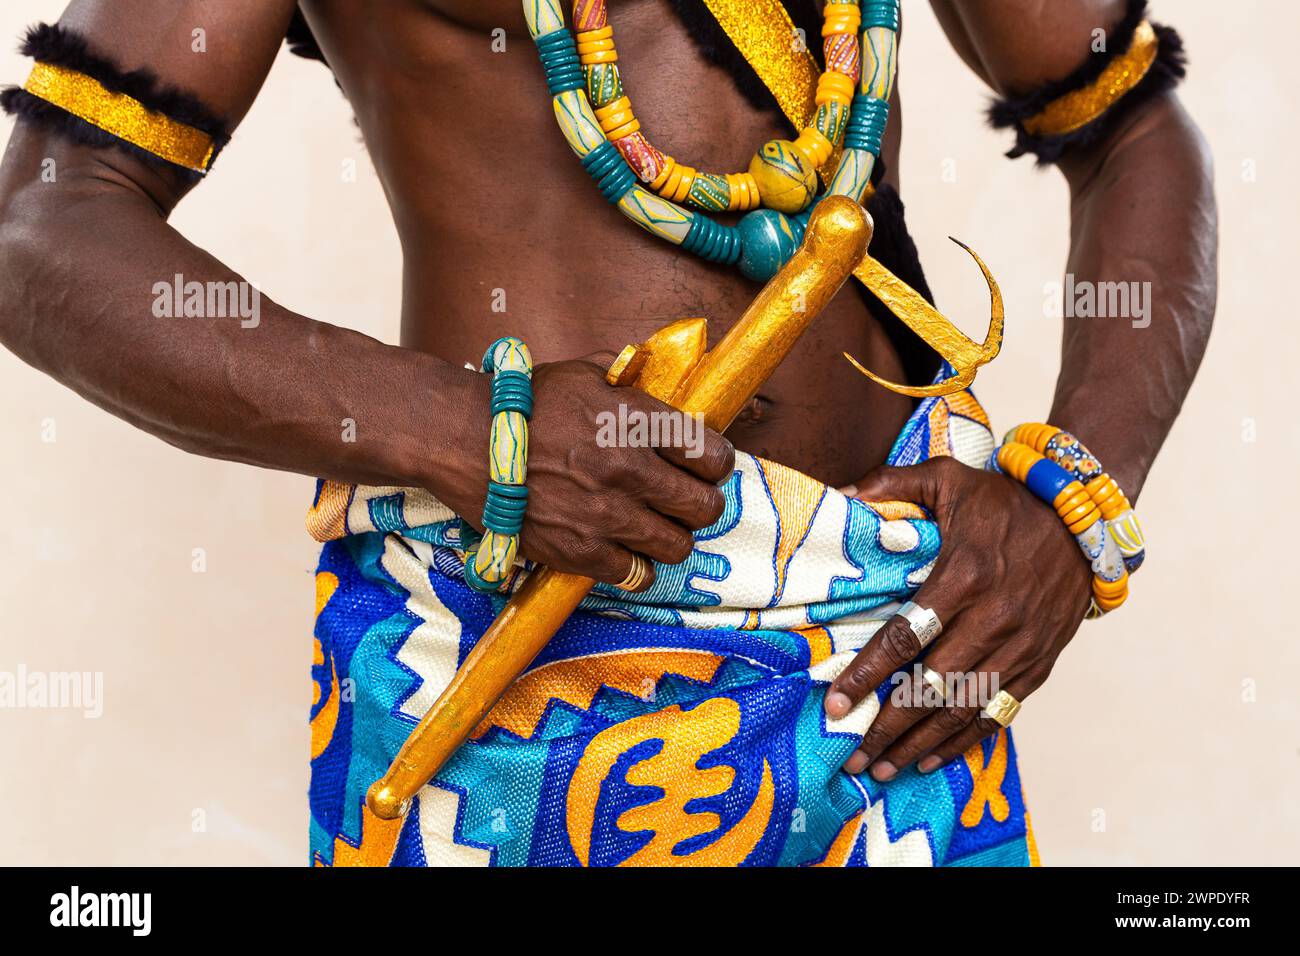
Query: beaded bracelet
{"points": [[1071, 454], [1054, 485], [764, 239], [490, 558]]}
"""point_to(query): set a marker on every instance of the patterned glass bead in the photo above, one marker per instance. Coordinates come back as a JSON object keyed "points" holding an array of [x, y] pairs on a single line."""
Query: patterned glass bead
{"points": [[767, 241], [787, 182]]}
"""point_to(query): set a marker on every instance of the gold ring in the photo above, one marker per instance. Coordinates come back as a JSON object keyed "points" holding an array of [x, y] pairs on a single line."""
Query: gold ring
{"points": [[936, 682], [637, 576], [1002, 708]]}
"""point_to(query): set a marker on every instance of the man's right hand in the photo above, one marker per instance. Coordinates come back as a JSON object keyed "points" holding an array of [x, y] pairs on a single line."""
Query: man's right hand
{"points": [[591, 507]]}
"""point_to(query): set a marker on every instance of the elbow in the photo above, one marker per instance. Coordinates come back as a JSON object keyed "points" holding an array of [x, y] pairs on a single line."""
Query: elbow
{"points": [[24, 283], [16, 264]]}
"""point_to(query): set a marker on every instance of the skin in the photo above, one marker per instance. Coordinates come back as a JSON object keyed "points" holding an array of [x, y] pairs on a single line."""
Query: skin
{"points": [[477, 175]]}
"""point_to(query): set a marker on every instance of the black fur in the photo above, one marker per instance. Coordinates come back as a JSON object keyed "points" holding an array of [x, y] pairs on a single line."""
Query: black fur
{"points": [[51, 44], [716, 47], [1168, 69], [300, 39]]}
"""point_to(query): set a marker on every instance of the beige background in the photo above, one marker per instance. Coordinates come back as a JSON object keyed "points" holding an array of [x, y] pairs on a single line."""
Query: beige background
{"points": [[1167, 734]]}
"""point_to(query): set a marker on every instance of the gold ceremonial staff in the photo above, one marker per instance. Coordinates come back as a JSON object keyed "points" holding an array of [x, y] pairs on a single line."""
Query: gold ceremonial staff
{"points": [[674, 367]]}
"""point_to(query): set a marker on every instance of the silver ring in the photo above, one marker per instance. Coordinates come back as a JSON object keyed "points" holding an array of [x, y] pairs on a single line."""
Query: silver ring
{"points": [[936, 683], [925, 624]]}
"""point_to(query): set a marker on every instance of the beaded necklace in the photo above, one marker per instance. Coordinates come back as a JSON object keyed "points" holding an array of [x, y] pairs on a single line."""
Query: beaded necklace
{"points": [[648, 186], [783, 175]]}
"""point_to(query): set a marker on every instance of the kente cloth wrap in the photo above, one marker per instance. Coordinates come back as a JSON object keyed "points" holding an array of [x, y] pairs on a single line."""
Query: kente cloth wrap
{"points": [[680, 726]]}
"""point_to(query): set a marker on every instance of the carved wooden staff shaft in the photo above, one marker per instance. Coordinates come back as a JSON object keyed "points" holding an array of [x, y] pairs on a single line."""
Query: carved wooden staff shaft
{"points": [[673, 366]]}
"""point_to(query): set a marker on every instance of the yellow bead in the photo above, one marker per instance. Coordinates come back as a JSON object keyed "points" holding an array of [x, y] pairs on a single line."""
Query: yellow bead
{"points": [[675, 181], [1108, 496], [744, 192], [835, 86], [617, 119], [787, 181], [841, 18], [1016, 459], [1109, 594], [815, 146], [1033, 434]]}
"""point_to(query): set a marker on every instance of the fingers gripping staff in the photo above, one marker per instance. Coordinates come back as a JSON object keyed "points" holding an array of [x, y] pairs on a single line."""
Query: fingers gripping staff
{"points": [[673, 366]]}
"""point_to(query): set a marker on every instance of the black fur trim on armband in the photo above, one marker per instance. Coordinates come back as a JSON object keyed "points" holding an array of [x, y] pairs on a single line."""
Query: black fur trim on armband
{"points": [[51, 44], [1163, 74], [302, 42]]}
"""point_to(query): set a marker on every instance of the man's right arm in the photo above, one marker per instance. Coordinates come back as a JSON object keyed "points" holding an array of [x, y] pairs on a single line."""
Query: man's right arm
{"points": [[80, 257], [81, 253]]}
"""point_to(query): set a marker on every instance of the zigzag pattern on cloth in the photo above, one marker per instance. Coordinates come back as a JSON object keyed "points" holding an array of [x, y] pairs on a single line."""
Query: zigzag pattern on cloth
{"points": [[683, 726]]}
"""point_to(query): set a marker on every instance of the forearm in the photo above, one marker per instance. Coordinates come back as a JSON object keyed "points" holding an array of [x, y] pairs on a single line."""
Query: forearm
{"points": [[1142, 211], [79, 263]]}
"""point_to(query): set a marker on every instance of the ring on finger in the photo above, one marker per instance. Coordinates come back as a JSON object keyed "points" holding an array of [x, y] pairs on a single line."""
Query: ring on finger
{"points": [[935, 682], [925, 624], [637, 576], [1002, 709]]}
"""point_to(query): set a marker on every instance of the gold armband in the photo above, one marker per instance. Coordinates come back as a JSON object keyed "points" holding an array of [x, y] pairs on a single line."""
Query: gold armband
{"points": [[1080, 107], [91, 99], [123, 116], [1138, 60]]}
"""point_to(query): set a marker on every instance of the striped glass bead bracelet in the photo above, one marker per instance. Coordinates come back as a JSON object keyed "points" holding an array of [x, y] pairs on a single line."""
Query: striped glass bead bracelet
{"points": [[490, 559]]}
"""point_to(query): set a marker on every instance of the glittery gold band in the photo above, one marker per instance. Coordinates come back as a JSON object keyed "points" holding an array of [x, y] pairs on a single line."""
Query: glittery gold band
{"points": [[766, 37], [1077, 109], [122, 116]]}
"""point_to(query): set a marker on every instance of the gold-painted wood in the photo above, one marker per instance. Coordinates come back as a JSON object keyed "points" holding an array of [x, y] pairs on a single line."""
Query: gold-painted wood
{"points": [[762, 31], [963, 354], [676, 369]]}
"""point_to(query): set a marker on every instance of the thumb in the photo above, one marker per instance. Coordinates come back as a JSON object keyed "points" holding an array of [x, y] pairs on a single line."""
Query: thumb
{"points": [[915, 483]]}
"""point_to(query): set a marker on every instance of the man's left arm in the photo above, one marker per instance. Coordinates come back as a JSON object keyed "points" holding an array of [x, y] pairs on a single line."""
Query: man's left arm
{"points": [[1142, 215], [1010, 584]]}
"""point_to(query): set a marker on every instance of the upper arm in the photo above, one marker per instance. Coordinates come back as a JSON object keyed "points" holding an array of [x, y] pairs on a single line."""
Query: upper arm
{"points": [[1017, 45], [218, 53]]}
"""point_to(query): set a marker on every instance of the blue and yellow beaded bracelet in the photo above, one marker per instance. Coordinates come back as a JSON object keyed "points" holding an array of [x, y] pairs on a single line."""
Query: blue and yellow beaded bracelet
{"points": [[489, 559], [1060, 471], [1060, 446]]}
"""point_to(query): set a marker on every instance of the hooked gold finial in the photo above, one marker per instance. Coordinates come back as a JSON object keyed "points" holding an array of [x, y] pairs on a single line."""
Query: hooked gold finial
{"points": [[957, 349]]}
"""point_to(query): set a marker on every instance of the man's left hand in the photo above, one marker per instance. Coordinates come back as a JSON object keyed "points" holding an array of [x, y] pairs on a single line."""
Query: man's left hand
{"points": [[1011, 589]]}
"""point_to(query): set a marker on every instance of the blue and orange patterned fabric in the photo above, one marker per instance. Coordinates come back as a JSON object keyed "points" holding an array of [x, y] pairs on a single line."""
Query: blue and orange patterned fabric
{"points": [[682, 726]]}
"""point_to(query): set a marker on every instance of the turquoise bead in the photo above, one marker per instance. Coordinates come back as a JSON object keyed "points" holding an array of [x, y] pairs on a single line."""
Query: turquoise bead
{"points": [[767, 241], [712, 240]]}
